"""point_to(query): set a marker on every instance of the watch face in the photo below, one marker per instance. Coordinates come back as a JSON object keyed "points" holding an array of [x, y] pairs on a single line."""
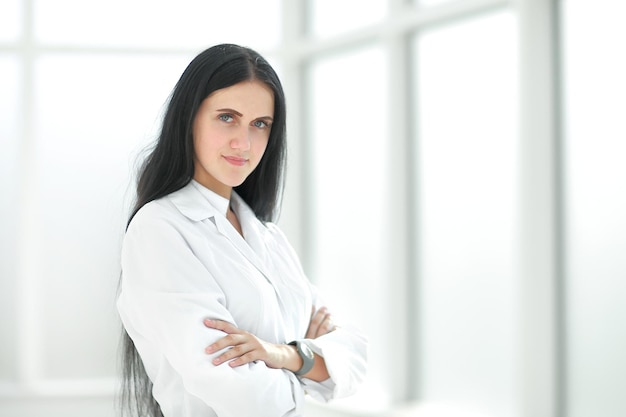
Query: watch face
{"points": [[306, 350]]}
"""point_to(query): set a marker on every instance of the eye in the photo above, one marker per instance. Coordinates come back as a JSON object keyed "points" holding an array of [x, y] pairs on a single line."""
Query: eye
{"points": [[226, 118], [260, 124]]}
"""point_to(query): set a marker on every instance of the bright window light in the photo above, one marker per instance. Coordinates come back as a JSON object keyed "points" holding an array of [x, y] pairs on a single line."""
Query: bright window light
{"points": [[332, 17], [466, 124], [595, 172], [189, 24], [10, 20], [348, 146]]}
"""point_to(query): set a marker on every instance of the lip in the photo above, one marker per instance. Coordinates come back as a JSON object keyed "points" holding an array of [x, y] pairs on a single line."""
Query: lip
{"points": [[234, 160]]}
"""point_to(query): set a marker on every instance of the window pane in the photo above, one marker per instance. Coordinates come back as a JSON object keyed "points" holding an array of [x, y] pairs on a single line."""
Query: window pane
{"points": [[10, 20], [9, 196], [331, 17], [94, 114], [146, 23], [467, 100], [595, 151], [348, 159]]}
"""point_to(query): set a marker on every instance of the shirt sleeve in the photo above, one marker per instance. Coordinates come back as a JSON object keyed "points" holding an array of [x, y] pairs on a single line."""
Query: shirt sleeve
{"points": [[344, 350], [345, 353], [166, 294]]}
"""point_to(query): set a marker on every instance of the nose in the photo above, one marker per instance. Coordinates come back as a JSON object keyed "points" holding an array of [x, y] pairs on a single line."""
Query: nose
{"points": [[241, 140]]}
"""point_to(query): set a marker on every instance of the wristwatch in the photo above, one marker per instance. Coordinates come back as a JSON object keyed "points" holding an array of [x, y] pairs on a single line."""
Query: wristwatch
{"points": [[306, 354]]}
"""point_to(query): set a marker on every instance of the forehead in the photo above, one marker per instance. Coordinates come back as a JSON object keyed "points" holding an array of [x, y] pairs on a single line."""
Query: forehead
{"points": [[245, 97]]}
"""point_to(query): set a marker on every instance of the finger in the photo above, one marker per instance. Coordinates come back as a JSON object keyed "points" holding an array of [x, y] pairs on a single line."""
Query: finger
{"points": [[239, 355], [315, 323], [326, 326], [232, 353], [247, 357], [309, 331], [312, 330], [222, 325], [224, 342], [319, 318]]}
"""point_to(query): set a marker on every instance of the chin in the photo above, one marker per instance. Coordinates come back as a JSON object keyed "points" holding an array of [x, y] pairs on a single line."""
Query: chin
{"points": [[234, 184]]}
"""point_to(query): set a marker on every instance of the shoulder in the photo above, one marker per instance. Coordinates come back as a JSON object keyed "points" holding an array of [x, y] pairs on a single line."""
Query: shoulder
{"points": [[154, 213], [185, 206], [166, 220], [155, 224]]}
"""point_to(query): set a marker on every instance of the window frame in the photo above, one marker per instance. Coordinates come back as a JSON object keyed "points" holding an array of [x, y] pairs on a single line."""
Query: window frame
{"points": [[542, 388]]}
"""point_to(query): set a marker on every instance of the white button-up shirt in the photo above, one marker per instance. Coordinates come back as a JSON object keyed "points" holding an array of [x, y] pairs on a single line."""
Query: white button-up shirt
{"points": [[182, 262]]}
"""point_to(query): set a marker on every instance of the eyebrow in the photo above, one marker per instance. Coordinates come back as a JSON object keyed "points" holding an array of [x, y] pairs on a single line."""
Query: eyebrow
{"points": [[230, 111], [240, 115]]}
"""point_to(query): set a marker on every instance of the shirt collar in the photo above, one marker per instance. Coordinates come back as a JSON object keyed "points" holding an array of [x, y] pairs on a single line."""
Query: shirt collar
{"points": [[216, 200], [198, 202]]}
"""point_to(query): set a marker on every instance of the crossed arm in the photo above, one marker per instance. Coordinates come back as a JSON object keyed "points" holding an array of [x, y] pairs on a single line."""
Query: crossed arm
{"points": [[246, 347]]}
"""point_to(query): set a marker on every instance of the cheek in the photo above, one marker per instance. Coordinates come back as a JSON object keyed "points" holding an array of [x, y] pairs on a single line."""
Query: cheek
{"points": [[260, 145], [199, 149], [205, 143]]}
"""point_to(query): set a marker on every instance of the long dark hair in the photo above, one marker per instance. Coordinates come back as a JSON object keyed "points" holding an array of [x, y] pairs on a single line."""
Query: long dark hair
{"points": [[170, 166]]}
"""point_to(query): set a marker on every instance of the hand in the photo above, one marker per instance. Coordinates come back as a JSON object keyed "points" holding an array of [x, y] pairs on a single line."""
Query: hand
{"points": [[321, 323], [244, 347]]}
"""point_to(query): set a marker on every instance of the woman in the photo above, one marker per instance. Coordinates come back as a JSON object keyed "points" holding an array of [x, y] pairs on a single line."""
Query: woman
{"points": [[219, 318]]}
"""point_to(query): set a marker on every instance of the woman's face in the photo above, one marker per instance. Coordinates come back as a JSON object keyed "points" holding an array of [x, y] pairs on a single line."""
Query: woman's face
{"points": [[230, 134]]}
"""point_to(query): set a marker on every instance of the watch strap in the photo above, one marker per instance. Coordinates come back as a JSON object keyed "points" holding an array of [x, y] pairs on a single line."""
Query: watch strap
{"points": [[308, 358]]}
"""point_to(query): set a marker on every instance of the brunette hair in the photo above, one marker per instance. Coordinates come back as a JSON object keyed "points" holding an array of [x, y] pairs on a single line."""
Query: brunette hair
{"points": [[169, 166]]}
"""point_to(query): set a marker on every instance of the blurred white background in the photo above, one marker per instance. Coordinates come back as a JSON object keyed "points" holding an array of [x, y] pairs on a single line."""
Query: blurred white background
{"points": [[456, 188]]}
